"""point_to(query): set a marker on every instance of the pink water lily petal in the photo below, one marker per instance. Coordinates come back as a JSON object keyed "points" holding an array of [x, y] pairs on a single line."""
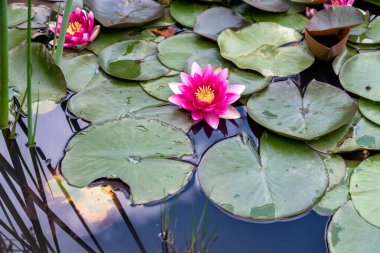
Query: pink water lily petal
{"points": [[196, 69], [236, 88], [232, 113], [197, 116], [95, 33], [175, 87], [212, 120]]}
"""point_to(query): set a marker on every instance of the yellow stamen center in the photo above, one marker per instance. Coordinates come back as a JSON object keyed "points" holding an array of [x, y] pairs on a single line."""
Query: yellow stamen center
{"points": [[205, 94], [73, 27]]}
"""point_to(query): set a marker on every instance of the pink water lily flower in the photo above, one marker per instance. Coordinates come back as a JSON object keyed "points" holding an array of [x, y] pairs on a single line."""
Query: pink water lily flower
{"points": [[206, 94], [339, 2], [80, 29]]}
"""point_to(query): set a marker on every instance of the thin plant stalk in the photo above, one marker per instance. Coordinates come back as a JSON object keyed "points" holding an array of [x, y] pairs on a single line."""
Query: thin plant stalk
{"points": [[29, 75], [55, 31], [18, 113], [4, 99], [36, 119], [62, 34]]}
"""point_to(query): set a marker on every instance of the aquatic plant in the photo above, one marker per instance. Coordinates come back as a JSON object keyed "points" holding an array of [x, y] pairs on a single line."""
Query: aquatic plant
{"points": [[3, 65], [206, 94]]}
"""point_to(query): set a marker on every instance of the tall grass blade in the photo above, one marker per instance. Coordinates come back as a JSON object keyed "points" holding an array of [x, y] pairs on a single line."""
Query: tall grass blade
{"points": [[62, 34], [4, 99]]}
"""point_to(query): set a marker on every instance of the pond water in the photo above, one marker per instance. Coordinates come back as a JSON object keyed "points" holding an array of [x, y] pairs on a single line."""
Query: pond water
{"points": [[37, 206]]}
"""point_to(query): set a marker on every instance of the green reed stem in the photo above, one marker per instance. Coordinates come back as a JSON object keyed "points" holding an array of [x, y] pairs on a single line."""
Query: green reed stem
{"points": [[62, 34], [18, 114], [29, 74], [4, 99], [55, 31]]}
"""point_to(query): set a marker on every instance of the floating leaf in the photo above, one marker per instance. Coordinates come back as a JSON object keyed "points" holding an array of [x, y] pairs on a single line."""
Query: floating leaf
{"points": [[370, 110], [322, 109], [333, 199], [336, 167], [291, 20], [358, 135], [369, 32], [47, 80], [79, 71], [138, 152], [365, 189], [348, 232], [185, 12], [174, 52], [40, 18], [270, 5], [260, 47], [15, 37], [253, 81], [159, 88], [110, 99], [17, 14], [132, 60], [341, 59], [125, 13], [212, 22], [286, 179], [360, 75], [330, 20]]}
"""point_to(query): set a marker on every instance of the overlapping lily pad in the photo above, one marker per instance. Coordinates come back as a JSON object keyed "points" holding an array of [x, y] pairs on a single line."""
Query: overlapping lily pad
{"points": [[281, 108], [15, 37], [360, 75], [370, 110], [212, 22], [293, 20], [330, 20], [359, 134], [348, 232], [125, 13], [369, 32], [342, 58], [79, 71], [333, 199], [253, 81], [365, 189], [185, 12], [286, 179], [270, 5], [17, 14], [138, 152], [336, 168], [261, 47], [132, 60], [173, 52], [47, 79], [159, 88]]}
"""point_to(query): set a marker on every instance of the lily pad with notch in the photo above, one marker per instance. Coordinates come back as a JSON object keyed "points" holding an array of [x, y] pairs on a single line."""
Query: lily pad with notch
{"points": [[132, 60], [142, 153], [268, 48], [285, 179], [322, 109]]}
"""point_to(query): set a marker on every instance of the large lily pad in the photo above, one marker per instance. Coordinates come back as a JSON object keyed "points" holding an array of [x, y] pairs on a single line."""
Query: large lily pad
{"points": [[322, 109], [360, 75], [185, 12], [173, 52], [48, 81], [212, 22], [110, 99], [336, 167], [330, 20], [296, 21], [15, 37], [370, 110], [348, 232], [365, 189], [159, 88], [17, 14], [132, 60], [125, 13], [358, 135], [333, 199], [40, 18], [369, 32], [79, 70], [286, 179], [137, 152], [270, 5], [260, 47], [342, 58], [253, 81]]}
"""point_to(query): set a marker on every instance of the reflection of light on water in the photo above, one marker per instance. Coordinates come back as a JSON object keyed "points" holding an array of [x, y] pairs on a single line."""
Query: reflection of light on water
{"points": [[93, 203]]}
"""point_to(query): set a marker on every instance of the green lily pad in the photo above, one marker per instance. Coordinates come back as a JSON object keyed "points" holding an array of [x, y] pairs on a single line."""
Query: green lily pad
{"points": [[333, 199], [336, 167], [362, 28], [282, 109], [174, 52], [159, 88], [15, 37], [132, 60], [212, 22], [253, 81], [260, 47], [79, 71], [365, 189], [48, 82], [330, 20], [292, 20], [348, 232], [358, 135], [165, 20], [121, 13], [370, 110], [342, 58], [111, 36], [138, 152], [110, 99], [270, 5], [185, 12], [368, 32], [17, 14], [40, 18], [286, 179], [360, 75]]}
